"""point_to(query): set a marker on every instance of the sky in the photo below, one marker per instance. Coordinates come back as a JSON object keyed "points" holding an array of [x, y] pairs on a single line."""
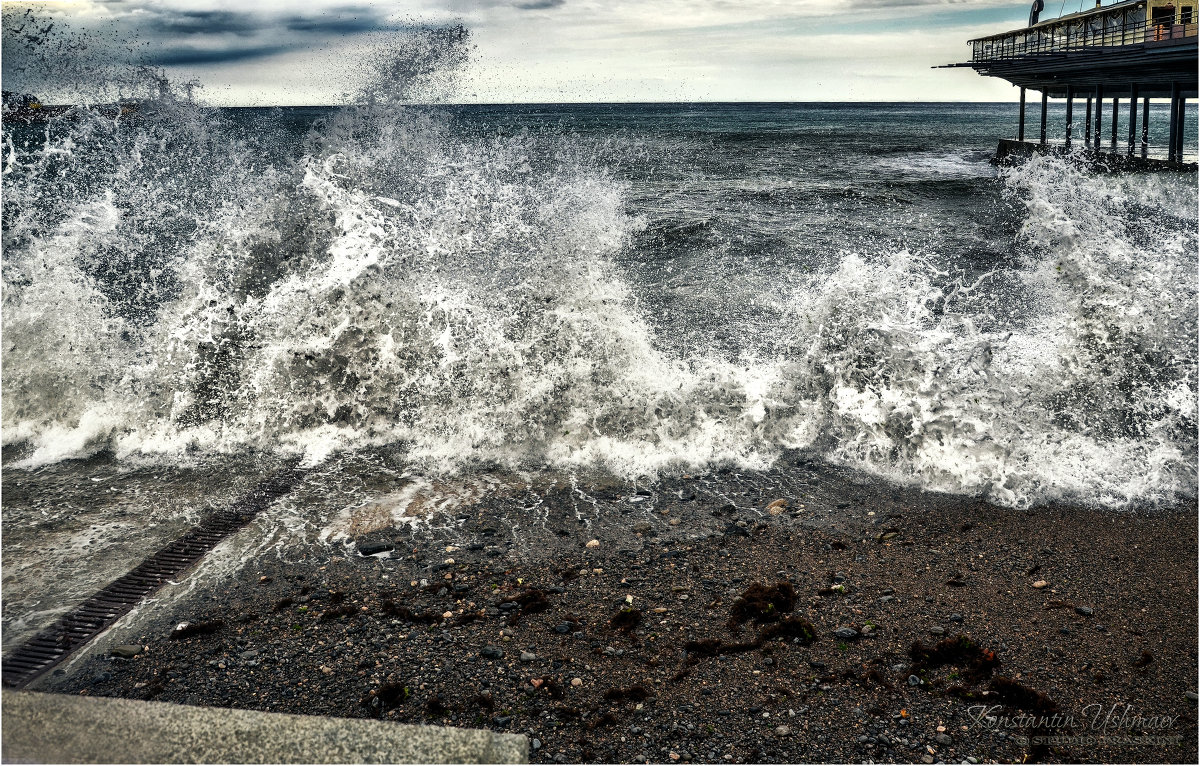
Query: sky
{"points": [[268, 52]]}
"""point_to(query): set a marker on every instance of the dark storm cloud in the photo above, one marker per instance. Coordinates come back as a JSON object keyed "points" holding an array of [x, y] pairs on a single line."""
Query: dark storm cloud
{"points": [[187, 55], [537, 5], [345, 20], [171, 23], [201, 37]]}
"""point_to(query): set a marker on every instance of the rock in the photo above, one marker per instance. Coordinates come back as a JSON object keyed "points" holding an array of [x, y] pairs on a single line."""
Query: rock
{"points": [[577, 681], [371, 547], [536, 744], [564, 627], [782, 731], [1040, 584], [1086, 611], [938, 630], [492, 652], [846, 633], [674, 522], [249, 654], [508, 632], [1192, 696], [944, 739], [641, 527], [915, 681], [593, 544], [528, 656], [733, 530], [956, 617], [885, 599], [127, 651], [776, 507]]}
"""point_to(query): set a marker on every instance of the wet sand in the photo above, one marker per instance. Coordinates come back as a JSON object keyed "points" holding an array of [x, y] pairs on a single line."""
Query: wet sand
{"points": [[617, 623]]}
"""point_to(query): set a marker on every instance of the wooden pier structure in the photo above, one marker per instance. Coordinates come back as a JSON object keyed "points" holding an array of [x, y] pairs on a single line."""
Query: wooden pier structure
{"points": [[1125, 51]]}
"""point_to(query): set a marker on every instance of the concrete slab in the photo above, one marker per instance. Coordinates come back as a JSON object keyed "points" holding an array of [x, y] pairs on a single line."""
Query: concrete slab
{"points": [[53, 728]]}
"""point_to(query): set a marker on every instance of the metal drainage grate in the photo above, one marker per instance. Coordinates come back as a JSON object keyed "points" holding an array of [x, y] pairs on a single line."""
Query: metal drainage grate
{"points": [[84, 622]]}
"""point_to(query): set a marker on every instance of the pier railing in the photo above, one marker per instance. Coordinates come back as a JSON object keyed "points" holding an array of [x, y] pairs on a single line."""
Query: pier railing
{"points": [[1098, 31]]}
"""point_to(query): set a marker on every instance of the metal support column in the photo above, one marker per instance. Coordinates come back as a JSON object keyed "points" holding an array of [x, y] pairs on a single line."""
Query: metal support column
{"points": [[1132, 116], [1070, 112], [1173, 133], [1099, 114], [1087, 123], [1021, 121], [1145, 126], [1044, 99], [1181, 132], [1116, 113]]}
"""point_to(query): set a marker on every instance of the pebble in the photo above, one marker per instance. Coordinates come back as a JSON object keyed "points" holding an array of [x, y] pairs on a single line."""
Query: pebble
{"points": [[494, 652], [956, 617], [1040, 584], [249, 654], [938, 630], [1192, 696], [782, 731], [128, 651], [577, 681], [528, 656], [944, 739], [641, 527], [593, 543], [536, 744], [915, 681], [1086, 611], [846, 633]]}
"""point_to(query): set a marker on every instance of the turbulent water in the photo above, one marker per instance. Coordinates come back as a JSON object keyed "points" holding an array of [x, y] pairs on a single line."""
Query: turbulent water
{"points": [[635, 289]]}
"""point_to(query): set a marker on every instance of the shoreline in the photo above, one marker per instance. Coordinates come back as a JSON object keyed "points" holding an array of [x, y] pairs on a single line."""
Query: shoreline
{"points": [[489, 619]]}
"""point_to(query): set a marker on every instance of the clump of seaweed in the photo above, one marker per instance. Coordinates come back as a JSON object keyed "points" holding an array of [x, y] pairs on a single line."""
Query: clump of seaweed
{"points": [[636, 693], [790, 628], [626, 620], [975, 662], [762, 603], [529, 601]]}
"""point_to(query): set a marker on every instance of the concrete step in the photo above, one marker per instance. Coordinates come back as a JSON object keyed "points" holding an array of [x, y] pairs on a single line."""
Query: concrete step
{"points": [[55, 728]]}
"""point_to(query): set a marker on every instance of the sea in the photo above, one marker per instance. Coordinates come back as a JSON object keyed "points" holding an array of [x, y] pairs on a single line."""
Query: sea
{"points": [[456, 295]]}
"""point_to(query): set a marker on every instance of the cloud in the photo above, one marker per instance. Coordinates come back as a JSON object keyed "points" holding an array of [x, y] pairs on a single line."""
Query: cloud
{"points": [[187, 23], [537, 5], [185, 55]]}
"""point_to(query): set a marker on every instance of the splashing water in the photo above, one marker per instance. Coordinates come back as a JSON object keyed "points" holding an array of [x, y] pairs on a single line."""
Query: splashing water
{"points": [[179, 285]]}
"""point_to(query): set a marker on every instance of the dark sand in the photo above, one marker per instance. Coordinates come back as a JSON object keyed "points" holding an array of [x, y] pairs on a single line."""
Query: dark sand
{"points": [[1105, 654]]}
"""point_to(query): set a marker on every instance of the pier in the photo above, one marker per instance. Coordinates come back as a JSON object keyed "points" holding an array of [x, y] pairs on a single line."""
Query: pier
{"points": [[1112, 56]]}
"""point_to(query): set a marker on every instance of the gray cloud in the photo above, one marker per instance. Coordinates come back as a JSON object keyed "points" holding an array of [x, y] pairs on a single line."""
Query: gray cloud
{"points": [[185, 55], [186, 23], [537, 5]]}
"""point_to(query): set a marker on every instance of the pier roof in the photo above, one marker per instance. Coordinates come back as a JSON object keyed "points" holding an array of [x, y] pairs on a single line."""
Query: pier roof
{"points": [[1119, 48]]}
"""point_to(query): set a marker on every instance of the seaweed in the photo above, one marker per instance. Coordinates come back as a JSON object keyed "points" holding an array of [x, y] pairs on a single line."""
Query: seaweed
{"points": [[762, 603], [975, 662], [626, 620]]}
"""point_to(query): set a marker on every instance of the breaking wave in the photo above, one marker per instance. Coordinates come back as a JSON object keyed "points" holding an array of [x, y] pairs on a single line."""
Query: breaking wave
{"points": [[178, 285]]}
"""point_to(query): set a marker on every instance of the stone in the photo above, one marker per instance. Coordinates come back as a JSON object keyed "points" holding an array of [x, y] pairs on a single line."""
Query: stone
{"points": [[577, 681], [938, 630], [127, 651], [528, 656], [1086, 611], [492, 652], [885, 599], [641, 527], [1192, 696], [1040, 584], [915, 681], [944, 739], [846, 633], [564, 627], [536, 744], [593, 544], [782, 731], [249, 654], [956, 617], [371, 547]]}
